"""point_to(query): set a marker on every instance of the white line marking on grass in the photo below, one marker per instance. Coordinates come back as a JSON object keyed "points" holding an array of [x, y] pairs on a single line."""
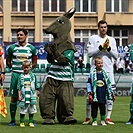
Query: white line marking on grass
{"points": [[113, 104]]}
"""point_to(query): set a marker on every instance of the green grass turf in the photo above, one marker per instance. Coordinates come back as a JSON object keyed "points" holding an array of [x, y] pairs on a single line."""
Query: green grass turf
{"points": [[120, 115]]}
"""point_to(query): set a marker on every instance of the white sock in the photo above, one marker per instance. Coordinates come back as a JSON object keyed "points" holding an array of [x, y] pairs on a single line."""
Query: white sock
{"points": [[88, 113], [108, 114]]}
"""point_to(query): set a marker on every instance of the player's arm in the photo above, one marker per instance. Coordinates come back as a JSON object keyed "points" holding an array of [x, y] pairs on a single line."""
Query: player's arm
{"points": [[9, 56], [92, 50], [2, 69], [19, 88], [34, 61], [113, 50], [8, 62]]}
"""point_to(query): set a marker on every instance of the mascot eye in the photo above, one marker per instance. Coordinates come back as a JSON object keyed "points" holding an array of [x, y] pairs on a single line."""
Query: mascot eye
{"points": [[60, 21]]}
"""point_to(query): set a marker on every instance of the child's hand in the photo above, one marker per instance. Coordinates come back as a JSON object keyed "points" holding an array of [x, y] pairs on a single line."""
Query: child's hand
{"points": [[90, 99], [36, 96], [113, 97], [19, 98]]}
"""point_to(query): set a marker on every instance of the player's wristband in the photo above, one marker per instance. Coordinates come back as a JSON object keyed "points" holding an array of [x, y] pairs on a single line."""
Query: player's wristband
{"points": [[2, 73]]}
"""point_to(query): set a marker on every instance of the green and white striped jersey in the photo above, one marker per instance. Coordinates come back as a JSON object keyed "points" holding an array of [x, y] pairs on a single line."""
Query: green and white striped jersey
{"points": [[27, 84], [18, 54], [63, 71]]}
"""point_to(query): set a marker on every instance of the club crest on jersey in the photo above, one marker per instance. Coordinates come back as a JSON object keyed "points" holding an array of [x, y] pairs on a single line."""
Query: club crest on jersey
{"points": [[100, 83], [21, 57]]}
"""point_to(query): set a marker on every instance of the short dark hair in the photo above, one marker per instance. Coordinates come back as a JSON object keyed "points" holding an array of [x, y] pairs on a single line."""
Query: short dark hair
{"points": [[102, 22], [23, 30]]}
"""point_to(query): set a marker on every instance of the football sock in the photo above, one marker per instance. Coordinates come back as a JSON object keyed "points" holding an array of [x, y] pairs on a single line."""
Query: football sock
{"points": [[103, 117], [13, 108], [108, 113], [94, 119], [131, 109], [22, 118], [88, 113], [31, 118]]}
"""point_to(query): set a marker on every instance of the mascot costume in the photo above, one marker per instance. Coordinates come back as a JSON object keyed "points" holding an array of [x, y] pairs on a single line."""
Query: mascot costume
{"points": [[59, 83]]}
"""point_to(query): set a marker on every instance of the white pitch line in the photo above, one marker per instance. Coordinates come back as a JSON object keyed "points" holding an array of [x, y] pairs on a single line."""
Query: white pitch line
{"points": [[113, 105]]}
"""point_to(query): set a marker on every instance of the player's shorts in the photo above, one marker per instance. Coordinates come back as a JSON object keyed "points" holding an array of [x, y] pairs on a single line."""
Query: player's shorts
{"points": [[13, 92], [109, 104], [31, 109]]}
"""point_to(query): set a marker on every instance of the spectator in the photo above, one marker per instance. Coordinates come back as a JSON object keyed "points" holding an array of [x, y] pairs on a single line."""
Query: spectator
{"points": [[80, 63], [128, 69], [115, 67], [127, 60], [121, 65]]}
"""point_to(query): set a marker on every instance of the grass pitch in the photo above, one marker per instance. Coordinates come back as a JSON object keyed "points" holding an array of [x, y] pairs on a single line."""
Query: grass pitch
{"points": [[120, 115]]}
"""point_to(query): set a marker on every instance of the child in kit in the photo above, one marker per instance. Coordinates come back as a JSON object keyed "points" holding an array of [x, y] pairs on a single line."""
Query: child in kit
{"points": [[27, 93], [99, 91]]}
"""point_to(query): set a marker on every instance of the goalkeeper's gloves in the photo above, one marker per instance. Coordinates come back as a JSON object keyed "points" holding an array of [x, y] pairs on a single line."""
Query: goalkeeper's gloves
{"points": [[101, 48], [105, 46], [109, 49]]}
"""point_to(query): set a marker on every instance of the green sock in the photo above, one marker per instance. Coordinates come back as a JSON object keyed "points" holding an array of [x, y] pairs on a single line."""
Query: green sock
{"points": [[94, 119], [13, 108], [22, 118], [31, 118], [131, 116], [103, 117]]}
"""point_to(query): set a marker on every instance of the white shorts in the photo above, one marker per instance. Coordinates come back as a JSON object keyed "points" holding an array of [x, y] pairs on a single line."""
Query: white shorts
{"points": [[31, 109], [109, 104]]}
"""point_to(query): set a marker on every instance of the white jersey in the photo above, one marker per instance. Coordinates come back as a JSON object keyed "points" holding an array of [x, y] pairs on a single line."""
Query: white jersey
{"points": [[108, 57]]}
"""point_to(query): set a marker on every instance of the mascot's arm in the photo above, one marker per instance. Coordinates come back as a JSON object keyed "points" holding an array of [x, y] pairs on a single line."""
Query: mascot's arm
{"points": [[50, 56], [57, 55], [47, 48]]}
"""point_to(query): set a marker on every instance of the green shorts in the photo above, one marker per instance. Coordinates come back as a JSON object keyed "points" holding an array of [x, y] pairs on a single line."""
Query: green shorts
{"points": [[13, 92]]}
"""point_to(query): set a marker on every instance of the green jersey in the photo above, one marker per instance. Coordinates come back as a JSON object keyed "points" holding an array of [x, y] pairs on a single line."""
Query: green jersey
{"points": [[63, 71], [18, 54]]}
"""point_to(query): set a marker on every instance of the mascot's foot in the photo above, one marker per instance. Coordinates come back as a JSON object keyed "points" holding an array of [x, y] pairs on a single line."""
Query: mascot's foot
{"points": [[69, 120], [48, 122]]}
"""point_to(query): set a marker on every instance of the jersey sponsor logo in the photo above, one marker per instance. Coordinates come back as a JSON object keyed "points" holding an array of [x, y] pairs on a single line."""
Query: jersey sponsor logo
{"points": [[27, 84], [21, 57], [100, 83]]}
